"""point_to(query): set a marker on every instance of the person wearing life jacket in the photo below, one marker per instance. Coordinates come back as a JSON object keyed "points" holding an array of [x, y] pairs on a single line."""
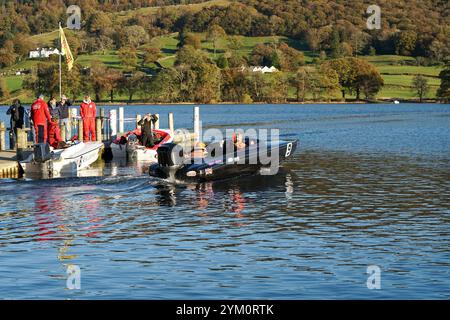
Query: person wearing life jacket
{"points": [[147, 124], [88, 111], [54, 134], [40, 116]]}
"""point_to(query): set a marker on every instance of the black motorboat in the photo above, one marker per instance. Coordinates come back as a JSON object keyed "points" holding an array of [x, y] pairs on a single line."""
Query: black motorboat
{"points": [[221, 160]]}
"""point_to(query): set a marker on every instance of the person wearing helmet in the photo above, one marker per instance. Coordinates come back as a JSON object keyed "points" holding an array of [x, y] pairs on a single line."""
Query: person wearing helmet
{"points": [[40, 116], [199, 150]]}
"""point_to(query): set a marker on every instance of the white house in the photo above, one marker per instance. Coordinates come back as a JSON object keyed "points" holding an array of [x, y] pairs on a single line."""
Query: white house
{"points": [[260, 69], [43, 53]]}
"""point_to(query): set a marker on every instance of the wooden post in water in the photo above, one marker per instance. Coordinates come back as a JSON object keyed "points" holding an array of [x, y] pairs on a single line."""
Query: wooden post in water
{"points": [[98, 129], [62, 128], [113, 122], [138, 118], [2, 136], [121, 120], [196, 124], [171, 123], [22, 139], [157, 122], [102, 120], [80, 130]]}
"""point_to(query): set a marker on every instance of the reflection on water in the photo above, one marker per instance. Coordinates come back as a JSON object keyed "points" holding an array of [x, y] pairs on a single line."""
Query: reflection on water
{"points": [[309, 232]]}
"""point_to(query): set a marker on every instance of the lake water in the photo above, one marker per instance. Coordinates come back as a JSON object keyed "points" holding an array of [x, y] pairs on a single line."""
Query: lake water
{"points": [[369, 185]]}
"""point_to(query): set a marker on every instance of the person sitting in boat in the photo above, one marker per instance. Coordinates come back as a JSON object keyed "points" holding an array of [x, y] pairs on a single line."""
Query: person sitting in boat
{"points": [[238, 140], [199, 150], [147, 124], [54, 134]]}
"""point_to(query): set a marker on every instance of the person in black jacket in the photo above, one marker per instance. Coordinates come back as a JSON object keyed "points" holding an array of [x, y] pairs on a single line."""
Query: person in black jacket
{"points": [[17, 112], [147, 124], [64, 111]]}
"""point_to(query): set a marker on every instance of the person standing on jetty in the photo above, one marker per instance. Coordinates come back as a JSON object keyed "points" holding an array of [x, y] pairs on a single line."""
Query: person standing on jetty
{"points": [[88, 111], [17, 113], [53, 107], [40, 116], [64, 111]]}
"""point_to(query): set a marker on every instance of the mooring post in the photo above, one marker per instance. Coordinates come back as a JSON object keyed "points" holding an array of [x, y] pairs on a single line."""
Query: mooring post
{"points": [[2, 136], [80, 130], [113, 122], [98, 129], [157, 122], [62, 129], [196, 124], [102, 121], [121, 120], [138, 119], [171, 123]]}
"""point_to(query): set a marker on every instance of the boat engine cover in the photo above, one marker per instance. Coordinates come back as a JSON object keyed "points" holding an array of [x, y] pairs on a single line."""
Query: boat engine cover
{"points": [[170, 154], [42, 152]]}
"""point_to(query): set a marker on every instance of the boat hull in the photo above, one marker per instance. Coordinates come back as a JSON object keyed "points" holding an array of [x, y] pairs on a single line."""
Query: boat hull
{"points": [[227, 166], [70, 160]]}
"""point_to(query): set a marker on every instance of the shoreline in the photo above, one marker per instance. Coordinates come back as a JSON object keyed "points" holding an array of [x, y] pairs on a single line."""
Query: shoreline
{"points": [[102, 103]]}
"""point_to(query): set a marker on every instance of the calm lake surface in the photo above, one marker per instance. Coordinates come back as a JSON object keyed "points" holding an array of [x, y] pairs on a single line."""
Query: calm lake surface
{"points": [[369, 185]]}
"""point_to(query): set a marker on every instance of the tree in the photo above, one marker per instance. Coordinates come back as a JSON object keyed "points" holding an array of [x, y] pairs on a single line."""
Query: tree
{"points": [[128, 56], [132, 85], [405, 42], [151, 55], [99, 80], [4, 91], [7, 54], [420, 85], [132, 36], [357, 75], [98, 22], [444, 89], [234, 85], [302, 82], [291, 59], [43, 79], [199, 77], [215, 32], [189, 39]]}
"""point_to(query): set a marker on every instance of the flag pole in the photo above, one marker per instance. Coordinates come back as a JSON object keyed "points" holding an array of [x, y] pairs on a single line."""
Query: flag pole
{"points": [[60, 68]]}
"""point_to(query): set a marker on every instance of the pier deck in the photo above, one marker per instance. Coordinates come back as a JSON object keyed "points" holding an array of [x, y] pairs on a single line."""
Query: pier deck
{"points": [[9, 168]]}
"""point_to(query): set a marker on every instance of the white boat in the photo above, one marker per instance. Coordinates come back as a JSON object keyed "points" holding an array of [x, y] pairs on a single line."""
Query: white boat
{"points": [[71, 160], [129, 146]]}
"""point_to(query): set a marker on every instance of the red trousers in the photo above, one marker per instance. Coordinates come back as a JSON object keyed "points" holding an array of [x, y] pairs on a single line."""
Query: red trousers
{"points": [[39, 138], [89, 129]]}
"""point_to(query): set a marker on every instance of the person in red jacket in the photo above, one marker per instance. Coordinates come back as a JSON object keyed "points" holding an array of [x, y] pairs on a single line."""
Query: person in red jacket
{"points": [[54, 134], [40, 116], [88, 111]]}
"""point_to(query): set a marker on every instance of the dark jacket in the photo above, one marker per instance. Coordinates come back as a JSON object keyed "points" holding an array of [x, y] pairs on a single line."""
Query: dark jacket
{"points": [[17, 112], [64, 109], [54, 111], [146, 125]]}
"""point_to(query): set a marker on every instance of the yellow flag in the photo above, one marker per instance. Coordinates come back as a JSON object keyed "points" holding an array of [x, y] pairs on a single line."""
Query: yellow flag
{"points": [[65, 49]]}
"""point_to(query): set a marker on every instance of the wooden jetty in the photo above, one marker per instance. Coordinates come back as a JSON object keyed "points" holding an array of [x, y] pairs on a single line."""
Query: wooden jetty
{"points": [[108, 127]]}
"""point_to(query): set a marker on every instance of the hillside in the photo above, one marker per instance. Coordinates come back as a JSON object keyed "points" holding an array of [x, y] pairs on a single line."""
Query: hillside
{"points": [[321, 29]]}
